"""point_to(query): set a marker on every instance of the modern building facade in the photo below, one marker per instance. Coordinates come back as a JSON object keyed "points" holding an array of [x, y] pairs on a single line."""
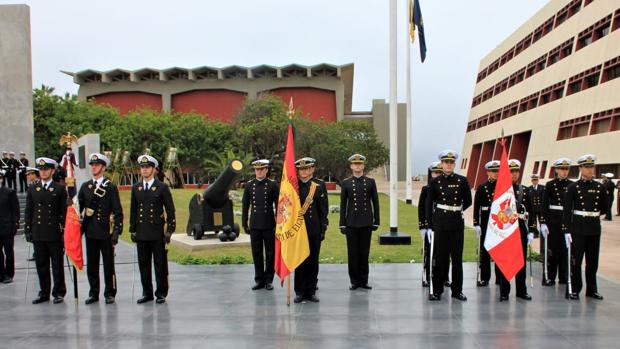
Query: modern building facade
{"points": [[319, 91], [553, 88]]}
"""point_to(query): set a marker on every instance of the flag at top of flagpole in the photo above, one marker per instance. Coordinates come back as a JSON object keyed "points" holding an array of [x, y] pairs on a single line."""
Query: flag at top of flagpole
{"points": [[292, 246], [503, 238], [415, 20]]}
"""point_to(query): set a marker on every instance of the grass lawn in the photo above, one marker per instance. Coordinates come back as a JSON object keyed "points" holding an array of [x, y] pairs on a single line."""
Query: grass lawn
{"points": [[334, 248]]}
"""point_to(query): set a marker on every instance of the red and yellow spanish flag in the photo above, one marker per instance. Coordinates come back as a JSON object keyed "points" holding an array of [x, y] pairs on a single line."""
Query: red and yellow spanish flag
{"points": [[292, 246], [73, 238]]}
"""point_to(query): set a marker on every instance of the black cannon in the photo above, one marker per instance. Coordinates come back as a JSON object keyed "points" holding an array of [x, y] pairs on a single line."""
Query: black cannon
{"points": [[212, 211]]}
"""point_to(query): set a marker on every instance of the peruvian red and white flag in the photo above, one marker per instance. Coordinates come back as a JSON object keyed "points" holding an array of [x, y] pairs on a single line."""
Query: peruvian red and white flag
{"points": [[503, 238]]}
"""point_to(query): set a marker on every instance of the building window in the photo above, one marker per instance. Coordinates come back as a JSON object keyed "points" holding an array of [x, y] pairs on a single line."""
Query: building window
{"points": [[536, 164], [611, 69], [543, 169]]}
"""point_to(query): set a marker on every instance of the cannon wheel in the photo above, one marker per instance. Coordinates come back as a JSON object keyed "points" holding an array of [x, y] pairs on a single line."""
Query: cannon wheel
{"points": [[197, 232], [236, 229]]}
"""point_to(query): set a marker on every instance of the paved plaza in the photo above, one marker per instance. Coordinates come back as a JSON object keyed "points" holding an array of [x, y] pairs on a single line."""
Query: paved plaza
{"points": [[213, 307]]}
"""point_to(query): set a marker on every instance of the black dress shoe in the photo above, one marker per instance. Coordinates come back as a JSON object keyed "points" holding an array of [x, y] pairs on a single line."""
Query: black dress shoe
{"points": [[109, 300], [548, 283], [595, 295], [31, 259], [144, 300], [424, 283], [160, 300], [503, 298], [91, 300], [459, 296], [7, 280], [482, 283], [269, 287], [298, 299], [58, 300], [353, 287], [447, 283], [366, 287], [313, 298], [434, 297], [258, 287], [525, 296], [573, 296], [40, 300]]}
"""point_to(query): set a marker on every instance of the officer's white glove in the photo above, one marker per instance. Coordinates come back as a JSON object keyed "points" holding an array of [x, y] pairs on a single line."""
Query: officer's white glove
{"points": [[544, 230], [430, 235], [478, 230], [423, 233], [568, 239], [530, 238]]}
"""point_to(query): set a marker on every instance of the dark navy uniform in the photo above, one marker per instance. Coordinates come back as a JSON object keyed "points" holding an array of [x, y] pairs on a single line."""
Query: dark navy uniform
{"points": [[146, 225], [552, 210], [46, 210], [584, 202], [9, 222], [23, 165], [536, 194], [99, 200], [448, 196], [315, 217], [258, 204], [435, 167], [483, 198], [359, 216]]}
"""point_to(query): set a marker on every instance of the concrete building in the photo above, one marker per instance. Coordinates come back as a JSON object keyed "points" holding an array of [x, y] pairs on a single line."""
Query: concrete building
{"points": [[17, 131], [320, 91], [553, 88]]}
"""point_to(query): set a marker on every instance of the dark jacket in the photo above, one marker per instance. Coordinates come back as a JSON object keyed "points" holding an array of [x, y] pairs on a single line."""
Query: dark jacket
{"points": [[536, 197], [588, 196], [554, 195], [422, 223], [452, 190], [9, 212], [97, 226], [46, 211], [359, 203], [523, 200], [316, 214], [261, 197], [146, 217], [483, 198]]}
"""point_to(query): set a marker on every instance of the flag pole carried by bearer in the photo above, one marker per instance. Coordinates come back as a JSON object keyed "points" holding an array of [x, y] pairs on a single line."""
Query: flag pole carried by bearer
{"points": [[292, 246]]}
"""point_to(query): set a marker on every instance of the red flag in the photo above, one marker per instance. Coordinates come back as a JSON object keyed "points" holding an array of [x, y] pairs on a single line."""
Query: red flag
{"points": [[292, 246], [73, 238], [503, 238]]}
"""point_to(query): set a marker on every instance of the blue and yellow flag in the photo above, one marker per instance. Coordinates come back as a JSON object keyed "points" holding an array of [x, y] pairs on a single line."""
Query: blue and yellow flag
{"points": [[415, 20]]}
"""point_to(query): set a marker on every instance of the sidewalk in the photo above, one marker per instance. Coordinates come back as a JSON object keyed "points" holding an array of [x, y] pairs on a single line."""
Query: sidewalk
{"points": [[610, 240]]}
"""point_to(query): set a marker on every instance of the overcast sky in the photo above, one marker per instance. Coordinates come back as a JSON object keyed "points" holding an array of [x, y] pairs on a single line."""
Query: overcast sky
{"points": [[79, 34]]}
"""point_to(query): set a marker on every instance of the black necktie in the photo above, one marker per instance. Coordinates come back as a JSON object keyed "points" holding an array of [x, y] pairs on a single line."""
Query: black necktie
{"points": [[146, 186]]}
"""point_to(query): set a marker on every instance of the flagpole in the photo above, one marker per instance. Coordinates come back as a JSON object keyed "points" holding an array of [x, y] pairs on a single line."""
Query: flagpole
{"points": [[409, 185], [393, 237], [288, 290]]}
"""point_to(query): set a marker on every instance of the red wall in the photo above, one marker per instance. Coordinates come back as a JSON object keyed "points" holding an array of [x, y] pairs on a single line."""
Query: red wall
{"points": [[313, 103], [218, 104], [474, 160], [128, 101], [487, 155]]}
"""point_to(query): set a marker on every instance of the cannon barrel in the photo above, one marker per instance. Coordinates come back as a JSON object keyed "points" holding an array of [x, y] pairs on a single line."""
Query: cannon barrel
{"points": [[216, 195]]}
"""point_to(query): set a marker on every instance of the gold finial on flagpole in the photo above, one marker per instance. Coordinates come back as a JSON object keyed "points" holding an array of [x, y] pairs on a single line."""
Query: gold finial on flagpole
{"points": [[291, 111]]}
